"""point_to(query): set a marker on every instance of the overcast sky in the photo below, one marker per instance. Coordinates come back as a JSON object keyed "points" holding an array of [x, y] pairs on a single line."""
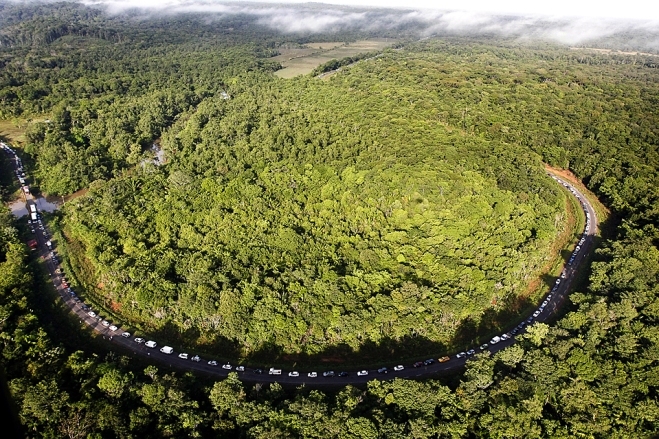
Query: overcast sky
{"points": [[626, 9]]}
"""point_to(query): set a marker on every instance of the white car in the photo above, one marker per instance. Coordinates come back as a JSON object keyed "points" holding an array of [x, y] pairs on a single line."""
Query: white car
{"points": [[558, 281], [183, 356], [227, 366], [196, 359], [536, 314], [312, 374], [212, 363], [274, 371], [399, 367], [167, 350], [505, 336], [91, 314], [139, 340], [105, 323], [150, 344], [294, 374], [240, 368], [125, 334], [495, 340], [362, 373], [113, 328]]}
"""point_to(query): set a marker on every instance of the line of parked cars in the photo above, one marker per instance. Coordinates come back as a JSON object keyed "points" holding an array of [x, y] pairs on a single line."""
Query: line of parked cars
{"points": [[168, 350]]}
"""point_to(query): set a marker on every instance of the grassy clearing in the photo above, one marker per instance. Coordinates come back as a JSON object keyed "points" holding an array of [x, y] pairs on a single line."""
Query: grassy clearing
{"points": [[308, 59], [13, 131]]}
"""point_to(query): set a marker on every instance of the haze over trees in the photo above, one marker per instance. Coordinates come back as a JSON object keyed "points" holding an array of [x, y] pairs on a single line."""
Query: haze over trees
{"points": [[398, 200]]}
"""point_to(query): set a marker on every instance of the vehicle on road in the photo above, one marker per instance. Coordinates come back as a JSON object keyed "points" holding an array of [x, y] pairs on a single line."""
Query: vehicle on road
{"points": [[258, 371], [274, 371], [139, 340], [444, 359], [505, 336], [212, 363], [328, 373], [536, 314], [496, 339], [312, 374], [418, 364], [471, 352], [167, 350], [294, 374], [484, 346], [343, 374], [112, 327], [227, 366], [150, 344], [105, 323], [399, 368], [362, 373], [91, 314], [240, 368], [183, 356], [383, 370], [125, 334], [461, 355], [196, 359]]}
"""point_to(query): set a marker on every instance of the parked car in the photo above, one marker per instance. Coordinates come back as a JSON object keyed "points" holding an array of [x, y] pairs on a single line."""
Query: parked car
{"points": [[328, 373], [362, 373], [196, 359], [125, 334], [183, 356], [150, 344], [312, 374], [496, 339], [91, 314], [240, 368], [274, 371], [418, 364], [399, 368], [105, 323], [139, 340], [167, 350], [227, 366], [429, 361], [505, 336], [212, 363], [484, 346], [444, 359], [258, 371], [112, 327], [471, 352], [294, 374], [461, 355], [536, 314], [343, 374], [383, 370]]}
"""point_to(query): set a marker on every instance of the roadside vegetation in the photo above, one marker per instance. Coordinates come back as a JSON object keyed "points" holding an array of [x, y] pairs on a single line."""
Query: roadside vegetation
{"points": [[400, 205]]}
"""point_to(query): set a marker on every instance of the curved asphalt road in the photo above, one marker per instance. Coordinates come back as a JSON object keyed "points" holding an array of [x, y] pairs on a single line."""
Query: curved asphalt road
{"points": [[558, 293]]}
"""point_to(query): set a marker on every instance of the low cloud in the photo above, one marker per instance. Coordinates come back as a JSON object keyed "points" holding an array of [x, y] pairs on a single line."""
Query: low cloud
{"points": [[318, 17]]}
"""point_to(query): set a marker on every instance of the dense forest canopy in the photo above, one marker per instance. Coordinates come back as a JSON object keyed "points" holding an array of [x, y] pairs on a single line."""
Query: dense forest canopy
{"points": [[401, 195]]}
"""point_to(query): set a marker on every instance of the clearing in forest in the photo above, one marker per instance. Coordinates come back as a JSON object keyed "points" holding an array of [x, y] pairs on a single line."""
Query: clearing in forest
{"points": [[301, 61]]}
